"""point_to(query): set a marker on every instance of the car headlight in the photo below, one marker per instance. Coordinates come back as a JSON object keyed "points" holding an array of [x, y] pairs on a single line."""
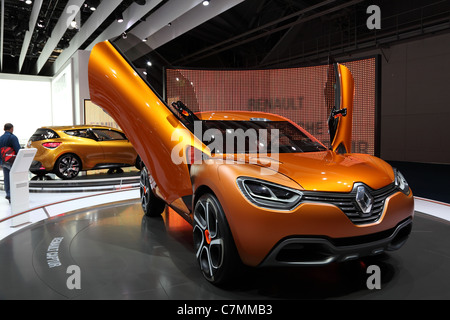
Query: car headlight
{"points": [[269, 195], [401, 182]]}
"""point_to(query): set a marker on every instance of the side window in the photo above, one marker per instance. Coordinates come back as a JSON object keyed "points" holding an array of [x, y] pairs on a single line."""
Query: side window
{"points": [[44, 134], [82, 133], [105, 135], [71, 132]]}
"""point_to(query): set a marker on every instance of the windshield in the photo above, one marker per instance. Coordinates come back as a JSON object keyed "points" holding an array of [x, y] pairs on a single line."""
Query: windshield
{"points": [[262, 137]]}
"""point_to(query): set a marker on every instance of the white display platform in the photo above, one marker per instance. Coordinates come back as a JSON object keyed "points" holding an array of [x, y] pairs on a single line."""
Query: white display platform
{"points": [[19, 186]]}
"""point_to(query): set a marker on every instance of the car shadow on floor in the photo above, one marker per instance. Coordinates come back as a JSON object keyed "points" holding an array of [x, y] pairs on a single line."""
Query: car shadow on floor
{"points": [[333, 281]]}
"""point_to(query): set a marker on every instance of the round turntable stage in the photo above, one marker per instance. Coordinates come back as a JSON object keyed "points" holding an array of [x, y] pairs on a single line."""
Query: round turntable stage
{"points": [[112, 251]]}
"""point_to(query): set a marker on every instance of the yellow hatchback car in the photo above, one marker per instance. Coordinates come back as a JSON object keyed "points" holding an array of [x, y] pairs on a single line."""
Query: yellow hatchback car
{"points": [[67, 150]]}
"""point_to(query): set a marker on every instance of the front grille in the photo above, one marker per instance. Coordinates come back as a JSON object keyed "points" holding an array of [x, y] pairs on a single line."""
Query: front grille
{"points": [[347, 202]]}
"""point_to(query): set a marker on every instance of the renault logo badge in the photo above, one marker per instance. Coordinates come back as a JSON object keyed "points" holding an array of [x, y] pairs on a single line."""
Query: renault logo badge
{"points": [[364, 199]]}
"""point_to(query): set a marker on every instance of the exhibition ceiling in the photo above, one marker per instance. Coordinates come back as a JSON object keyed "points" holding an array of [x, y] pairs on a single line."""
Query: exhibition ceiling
{"points": [[37, 37]]}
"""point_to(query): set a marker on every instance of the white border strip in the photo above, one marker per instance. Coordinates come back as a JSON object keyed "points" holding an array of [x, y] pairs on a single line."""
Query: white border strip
{"points": [[62, 207], [432, 207]]}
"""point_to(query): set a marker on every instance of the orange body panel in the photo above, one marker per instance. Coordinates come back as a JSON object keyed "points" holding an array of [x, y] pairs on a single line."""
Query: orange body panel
{"points": [[149, 124], [257, 230], [344, 132]]}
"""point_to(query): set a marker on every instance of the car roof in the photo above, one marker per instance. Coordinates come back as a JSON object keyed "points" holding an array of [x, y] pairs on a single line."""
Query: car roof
{"points": [[75, 127], [239, 116]]}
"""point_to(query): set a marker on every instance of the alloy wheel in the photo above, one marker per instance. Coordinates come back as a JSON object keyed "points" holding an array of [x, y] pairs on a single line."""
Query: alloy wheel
{"points": [[68, 166], [209, 243], [144, 188]]}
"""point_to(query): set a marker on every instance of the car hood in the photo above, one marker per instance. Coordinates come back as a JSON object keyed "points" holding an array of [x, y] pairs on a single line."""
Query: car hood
{"points": [[328, 171]]}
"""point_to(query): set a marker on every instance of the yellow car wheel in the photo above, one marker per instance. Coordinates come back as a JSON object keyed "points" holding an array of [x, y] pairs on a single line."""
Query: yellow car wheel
{"points": [[68, 166]]}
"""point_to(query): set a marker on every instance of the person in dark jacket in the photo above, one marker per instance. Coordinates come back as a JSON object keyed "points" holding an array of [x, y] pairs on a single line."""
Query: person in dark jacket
{"points": [[8, 139]]}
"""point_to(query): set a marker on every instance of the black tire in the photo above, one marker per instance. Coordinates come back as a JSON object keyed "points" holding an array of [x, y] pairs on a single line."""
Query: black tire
{"points": [[214, 246], [138, 164], [117, 170], [152, 205], [68, 166]]}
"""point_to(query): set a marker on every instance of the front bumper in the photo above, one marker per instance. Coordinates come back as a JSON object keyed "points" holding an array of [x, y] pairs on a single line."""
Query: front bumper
{"points": [[315, 251], [320, 227]]}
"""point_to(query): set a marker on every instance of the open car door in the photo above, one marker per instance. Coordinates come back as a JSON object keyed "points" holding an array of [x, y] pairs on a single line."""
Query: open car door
{"points": [[339, 92], [153, 128]]}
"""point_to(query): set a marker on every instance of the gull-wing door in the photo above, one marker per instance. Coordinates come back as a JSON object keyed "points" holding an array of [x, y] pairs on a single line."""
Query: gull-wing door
{"points": [[339, 93], [159, 132]]}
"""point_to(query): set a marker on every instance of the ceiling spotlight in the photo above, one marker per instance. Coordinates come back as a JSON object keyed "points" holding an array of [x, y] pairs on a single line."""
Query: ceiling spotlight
{"points": [[124, 35], [205, 3], [93, 4], [119, 17], [85, 8], [28, 2], [74, 24], [145, 40], [149, 63]]}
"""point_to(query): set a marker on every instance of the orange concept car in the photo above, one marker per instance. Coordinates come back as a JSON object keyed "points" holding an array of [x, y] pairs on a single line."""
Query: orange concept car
{"points": [[257, 188]]}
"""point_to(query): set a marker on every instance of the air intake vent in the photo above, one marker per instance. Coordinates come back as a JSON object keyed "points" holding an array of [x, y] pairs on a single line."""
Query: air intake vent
{"points": [[347, 202]]}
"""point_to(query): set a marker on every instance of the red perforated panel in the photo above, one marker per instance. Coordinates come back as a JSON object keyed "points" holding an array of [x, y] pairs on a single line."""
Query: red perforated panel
{"points": [[295, 93]]}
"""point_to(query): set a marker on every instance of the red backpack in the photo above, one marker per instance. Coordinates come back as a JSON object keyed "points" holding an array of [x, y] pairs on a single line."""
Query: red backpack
{"points": [[8, 156]]}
